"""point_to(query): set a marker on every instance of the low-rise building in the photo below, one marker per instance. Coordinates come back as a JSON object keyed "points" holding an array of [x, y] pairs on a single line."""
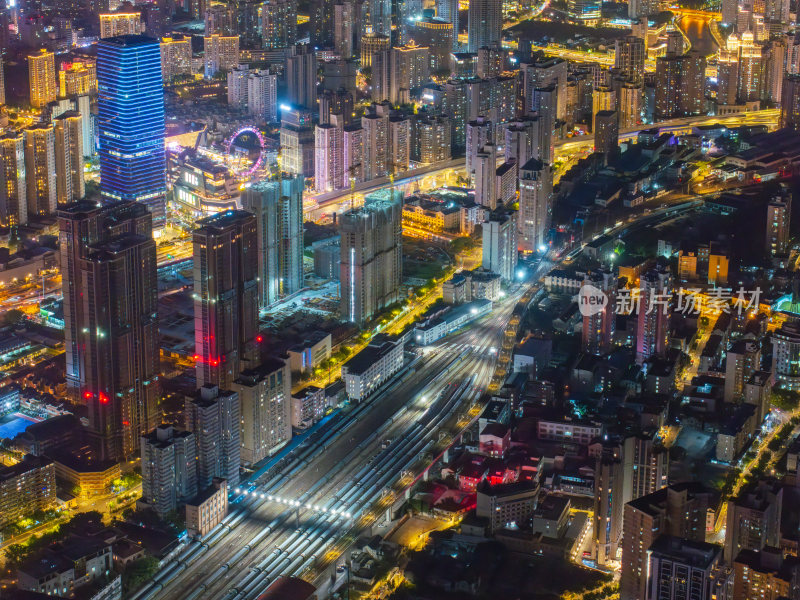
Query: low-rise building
{"points": [[482, 284], [208, 509], [25, 487], [63, 567], [308, 407], [454, 290], [560, 280], [508, 505], [567, 429], [311, 352], [373, 366], [449, 320]]}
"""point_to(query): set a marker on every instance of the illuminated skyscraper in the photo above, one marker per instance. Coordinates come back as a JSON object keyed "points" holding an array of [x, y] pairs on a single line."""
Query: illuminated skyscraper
{"points": [[115, 24], [225, 250], [409, 68], [500, 244], [221, 53], [652, 326], [297, 142], [70, 185], [433, 139], [42, 76], [176, 56], [629, 104], [535, 204], [371, 256], [603, 98], [131, 122], [779, 212], [598, 328], [301, 76], [265, 394], [40, 169], [77, 78], [750, 68], [278, 23], [328, 158], [542, 73], [485, 24], [13, 195], [485, 168], [214, 416], [680, 85], [629, 56], [678, 510], [373, 43], [262, 95], [380, 16], [277, 204], [479, 133], [376, 141]]}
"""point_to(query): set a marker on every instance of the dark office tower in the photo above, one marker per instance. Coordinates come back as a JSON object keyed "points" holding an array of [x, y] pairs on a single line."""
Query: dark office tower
{"points": [[606, 135], [321, 32], [277, 204], [108, 262], [598, 328], [301, 76], [485, 24], [82, 225], [131, 122], [790, 102], [278, 24], [652, 326], [680, 86], [629, 56], [119, 292], [612, 475], [339, 102], [371, 253], [681, 569], [225, 296]]}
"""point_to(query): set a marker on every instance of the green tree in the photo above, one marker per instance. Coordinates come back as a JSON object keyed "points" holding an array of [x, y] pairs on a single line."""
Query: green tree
{"points": [[787, 400], [138, 572], [13, 317]]}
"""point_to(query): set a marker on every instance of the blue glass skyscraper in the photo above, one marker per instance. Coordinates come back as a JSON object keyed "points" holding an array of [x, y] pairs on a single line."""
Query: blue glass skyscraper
{"points": [[131, 122]]}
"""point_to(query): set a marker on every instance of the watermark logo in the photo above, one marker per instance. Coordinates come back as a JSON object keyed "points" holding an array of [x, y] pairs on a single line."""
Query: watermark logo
{"points": [[692, 301], [591, 300]]}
